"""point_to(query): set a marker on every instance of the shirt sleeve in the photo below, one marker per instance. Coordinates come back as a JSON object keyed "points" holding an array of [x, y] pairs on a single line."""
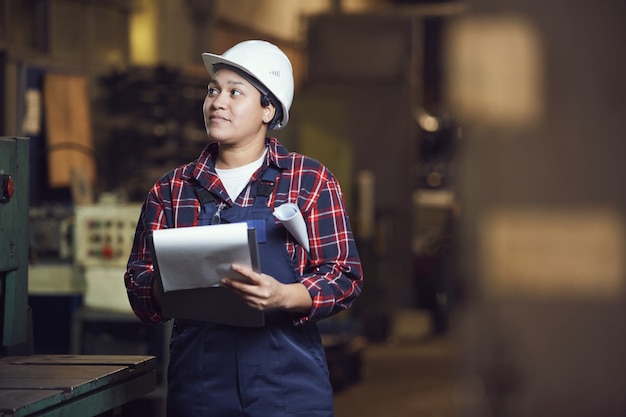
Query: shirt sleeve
{"points": [[140, 277], [336, 278]]}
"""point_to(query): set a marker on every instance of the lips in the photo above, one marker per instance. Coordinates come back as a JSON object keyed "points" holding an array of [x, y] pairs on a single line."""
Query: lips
{"points": [[217, 118]]}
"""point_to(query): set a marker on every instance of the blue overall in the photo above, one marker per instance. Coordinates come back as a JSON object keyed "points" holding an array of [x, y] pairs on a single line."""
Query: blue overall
{"points": [[271, 371]]}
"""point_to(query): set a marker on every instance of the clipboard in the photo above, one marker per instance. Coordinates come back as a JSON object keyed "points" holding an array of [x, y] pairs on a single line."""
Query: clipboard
{"points": [[211, 304]]}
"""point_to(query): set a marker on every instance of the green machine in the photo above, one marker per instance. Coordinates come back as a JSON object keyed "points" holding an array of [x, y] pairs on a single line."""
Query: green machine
{"points": [[48, 385], [14, 189]]}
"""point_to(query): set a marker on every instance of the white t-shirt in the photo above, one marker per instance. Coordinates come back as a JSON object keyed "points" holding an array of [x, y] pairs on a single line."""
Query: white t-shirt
{"points": [[236, 179]]}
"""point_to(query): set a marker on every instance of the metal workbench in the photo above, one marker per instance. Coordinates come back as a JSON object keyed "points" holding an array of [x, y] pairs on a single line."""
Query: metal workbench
{"points": [[72, 385]]}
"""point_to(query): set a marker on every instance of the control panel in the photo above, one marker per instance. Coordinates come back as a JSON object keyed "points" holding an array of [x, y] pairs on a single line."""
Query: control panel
{"points": [[103, 234]]}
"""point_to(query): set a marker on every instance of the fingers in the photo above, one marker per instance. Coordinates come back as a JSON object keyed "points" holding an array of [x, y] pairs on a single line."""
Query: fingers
{"points": [[250, 277], [258, 291]]}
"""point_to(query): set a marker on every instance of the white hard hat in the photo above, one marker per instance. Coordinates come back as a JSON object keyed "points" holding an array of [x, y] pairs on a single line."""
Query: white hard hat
{"points": [[267, 64]]}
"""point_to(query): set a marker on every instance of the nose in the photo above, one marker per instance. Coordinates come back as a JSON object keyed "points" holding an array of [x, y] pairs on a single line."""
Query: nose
{"points": [[211, 103], [216, 101]]}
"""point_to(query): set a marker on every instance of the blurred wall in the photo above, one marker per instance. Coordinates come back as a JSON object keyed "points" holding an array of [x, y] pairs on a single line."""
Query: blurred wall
{"points": [[539, 86]]}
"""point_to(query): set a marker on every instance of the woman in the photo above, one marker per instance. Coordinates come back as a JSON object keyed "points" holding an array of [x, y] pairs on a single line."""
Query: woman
{"points": [[278, 369]]}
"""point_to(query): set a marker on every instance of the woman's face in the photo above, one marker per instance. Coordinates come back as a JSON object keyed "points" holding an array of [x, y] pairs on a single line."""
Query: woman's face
{"points": [[232, 109]]}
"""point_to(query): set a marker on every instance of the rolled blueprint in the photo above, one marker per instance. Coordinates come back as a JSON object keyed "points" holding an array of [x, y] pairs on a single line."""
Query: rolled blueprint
{"points": [[290, 216]]}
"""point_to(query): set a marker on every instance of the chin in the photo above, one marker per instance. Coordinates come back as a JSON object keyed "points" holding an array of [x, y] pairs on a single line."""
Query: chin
{"points": [[225, 139], [217, 134]]}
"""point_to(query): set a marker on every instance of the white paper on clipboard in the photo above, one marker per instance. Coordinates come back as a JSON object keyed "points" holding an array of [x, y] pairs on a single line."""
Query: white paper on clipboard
{"points": [[199, 257]]}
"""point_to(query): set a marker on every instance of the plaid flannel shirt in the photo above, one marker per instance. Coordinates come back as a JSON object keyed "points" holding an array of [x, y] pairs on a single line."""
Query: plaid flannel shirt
{"points": [[332, 270]]}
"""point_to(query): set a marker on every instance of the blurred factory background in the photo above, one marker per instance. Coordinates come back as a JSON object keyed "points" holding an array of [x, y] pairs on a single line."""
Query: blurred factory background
{"points": [[479, 144]]}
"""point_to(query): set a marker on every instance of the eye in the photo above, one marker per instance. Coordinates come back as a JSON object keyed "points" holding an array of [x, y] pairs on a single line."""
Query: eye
{"points": [[213, 91], [236, 93]]}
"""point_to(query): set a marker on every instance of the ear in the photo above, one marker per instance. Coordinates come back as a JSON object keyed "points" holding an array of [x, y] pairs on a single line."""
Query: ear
{"points": [[268, 113]]}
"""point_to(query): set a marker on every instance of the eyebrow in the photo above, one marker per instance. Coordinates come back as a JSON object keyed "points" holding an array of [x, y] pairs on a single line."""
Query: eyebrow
{"points": [[229, 82]]}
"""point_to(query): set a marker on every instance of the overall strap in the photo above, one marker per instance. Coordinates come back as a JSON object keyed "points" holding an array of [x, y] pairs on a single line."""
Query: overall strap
{"points": [[262, 189], [207, 206], [204, 195], [265, 186]]}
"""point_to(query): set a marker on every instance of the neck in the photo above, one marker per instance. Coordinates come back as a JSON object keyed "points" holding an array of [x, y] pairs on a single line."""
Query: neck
{"points": [[234, 157]]}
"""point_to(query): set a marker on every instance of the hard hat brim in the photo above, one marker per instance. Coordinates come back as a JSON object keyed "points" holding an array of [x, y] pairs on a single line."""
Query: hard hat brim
{"points": [[211, 59]]}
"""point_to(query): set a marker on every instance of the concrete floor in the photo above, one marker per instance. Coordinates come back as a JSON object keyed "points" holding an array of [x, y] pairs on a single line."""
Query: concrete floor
{"points": [[404, 379]]}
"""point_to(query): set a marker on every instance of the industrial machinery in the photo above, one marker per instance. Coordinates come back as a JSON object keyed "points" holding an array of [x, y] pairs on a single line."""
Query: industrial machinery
{"points": [[103, 237], [48, 385], [13, 242]]}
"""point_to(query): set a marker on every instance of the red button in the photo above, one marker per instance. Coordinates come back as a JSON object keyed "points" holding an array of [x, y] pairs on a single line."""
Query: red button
{"points": [[107, 252], [10, 187]]}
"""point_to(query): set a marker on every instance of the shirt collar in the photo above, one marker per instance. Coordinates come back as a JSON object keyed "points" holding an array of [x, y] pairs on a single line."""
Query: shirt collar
{"points": [[205, 164]]}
